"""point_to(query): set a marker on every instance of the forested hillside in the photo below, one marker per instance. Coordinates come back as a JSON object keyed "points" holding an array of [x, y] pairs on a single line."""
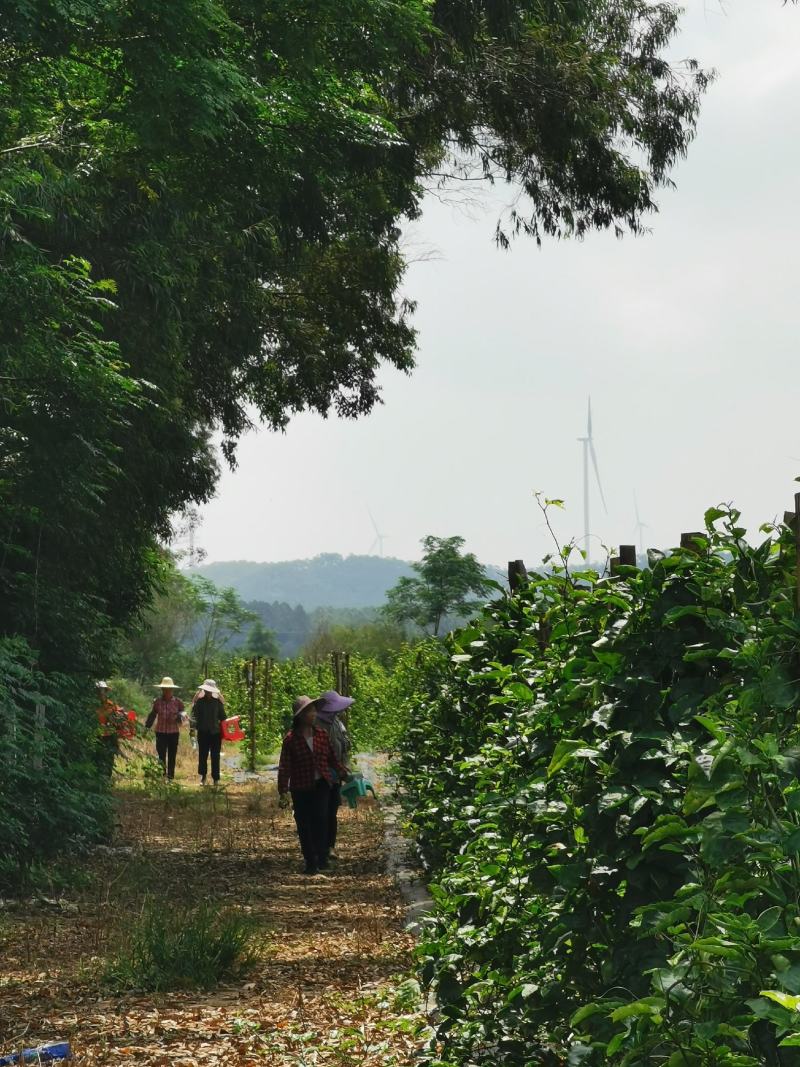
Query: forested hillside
{"points": [[327, 581]]}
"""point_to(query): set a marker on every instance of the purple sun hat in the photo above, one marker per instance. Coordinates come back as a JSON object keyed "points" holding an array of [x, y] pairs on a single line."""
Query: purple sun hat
{"points": [[330, 704]]}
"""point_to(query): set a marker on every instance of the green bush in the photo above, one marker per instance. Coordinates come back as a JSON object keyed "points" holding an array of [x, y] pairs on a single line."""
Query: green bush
{"points": [[54, 794], [169, 949], [386, 698], [605, 792]]}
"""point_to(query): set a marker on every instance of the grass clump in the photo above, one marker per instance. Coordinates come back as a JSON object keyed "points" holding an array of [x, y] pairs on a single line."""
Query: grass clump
{"points": [[167, 949]]}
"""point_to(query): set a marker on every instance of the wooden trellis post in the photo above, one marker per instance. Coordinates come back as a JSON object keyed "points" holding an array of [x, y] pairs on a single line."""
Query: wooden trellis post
{"points": [[517, 574], [340, 665], [345, 690], [268, 692], [690, 540], [627, 555], [250, 682], [626, 558]]}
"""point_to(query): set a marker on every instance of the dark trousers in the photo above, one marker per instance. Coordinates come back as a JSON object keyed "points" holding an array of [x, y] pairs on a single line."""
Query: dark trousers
{"points": [[208, 745], [311, 808], [333, 809], [167, 749]]}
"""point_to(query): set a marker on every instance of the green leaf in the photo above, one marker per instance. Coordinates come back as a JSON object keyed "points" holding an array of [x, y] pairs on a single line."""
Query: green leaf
{"points": [[669, 830], [648, 1006], [712, 726], [616, 1042], [768, 919], [564, 751], [586, 1012], [713, 514], [786, 1000], [716, 946], [520, 691]]}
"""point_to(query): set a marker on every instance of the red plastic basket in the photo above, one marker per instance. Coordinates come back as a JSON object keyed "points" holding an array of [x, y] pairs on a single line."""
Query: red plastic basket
{"points": [[231, 730], [127, 729]]}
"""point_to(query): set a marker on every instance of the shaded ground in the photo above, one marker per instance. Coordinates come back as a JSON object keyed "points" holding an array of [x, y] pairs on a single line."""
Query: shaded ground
{"points": [[327, 987]]}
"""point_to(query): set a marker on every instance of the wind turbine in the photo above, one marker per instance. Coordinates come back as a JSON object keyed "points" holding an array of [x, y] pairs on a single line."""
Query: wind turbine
{"points": [[639, 525], [588, 451], [379, 537]]}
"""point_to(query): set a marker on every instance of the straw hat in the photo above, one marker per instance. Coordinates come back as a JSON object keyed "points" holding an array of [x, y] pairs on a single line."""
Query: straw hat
{"points": [[166, 683], [101, 685], [210, 686], [300, 704]]}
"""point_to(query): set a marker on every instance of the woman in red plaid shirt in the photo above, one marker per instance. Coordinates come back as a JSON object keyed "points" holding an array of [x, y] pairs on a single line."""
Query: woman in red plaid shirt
{"points": [[167, 714], [305, 772]]}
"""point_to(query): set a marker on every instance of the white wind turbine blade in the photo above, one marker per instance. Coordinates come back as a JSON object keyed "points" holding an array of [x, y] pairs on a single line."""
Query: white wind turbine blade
{"points": [[639, 524], [378, 542], [597, 473]]}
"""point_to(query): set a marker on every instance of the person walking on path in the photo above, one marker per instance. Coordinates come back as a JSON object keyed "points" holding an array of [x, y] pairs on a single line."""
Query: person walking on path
{"points": [[208, 714], [304, 771], [198, 696], [167, 714], [329, 707]]}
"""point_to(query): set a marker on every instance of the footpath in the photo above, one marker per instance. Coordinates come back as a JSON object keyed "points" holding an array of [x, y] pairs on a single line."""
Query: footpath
{"points": [[329, 983]]}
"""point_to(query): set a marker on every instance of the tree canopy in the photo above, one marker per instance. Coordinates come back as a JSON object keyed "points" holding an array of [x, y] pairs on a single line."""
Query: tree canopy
{"points": [[262, 642], [448, 582]]}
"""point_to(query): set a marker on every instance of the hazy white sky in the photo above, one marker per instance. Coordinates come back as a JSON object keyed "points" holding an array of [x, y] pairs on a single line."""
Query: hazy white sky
{"points": [[685, 338]]}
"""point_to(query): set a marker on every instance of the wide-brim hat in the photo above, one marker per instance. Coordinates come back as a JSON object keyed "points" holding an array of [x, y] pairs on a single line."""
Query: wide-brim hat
{"points": [[331, 702], [210, 686], [166, 683], [101, 685], [301, 703]]}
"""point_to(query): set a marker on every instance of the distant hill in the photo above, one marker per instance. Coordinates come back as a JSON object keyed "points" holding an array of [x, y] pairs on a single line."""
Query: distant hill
{"points": [[327, 581]]}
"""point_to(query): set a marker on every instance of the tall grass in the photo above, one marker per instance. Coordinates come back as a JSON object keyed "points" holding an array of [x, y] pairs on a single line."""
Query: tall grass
{"points": [[168, 949]]}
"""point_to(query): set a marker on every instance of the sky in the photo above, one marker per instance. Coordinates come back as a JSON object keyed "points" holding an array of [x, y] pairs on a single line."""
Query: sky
{"points": [[685, 338]]}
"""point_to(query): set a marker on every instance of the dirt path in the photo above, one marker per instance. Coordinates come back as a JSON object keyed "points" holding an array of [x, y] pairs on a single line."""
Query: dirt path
{"points": [[327, 986]]}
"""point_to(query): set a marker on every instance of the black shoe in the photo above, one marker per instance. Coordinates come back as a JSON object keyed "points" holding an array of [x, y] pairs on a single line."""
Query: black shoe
{"points": [[310, 870], [325, 866]]}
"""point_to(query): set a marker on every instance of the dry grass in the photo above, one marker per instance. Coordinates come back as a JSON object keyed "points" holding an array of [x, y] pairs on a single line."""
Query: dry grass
{"points": [[331, 950]]}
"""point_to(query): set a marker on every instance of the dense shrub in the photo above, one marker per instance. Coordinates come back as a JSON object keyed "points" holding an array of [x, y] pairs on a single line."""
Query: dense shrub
{"points": [[384, 697], [53, 792], [605, 793]]}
